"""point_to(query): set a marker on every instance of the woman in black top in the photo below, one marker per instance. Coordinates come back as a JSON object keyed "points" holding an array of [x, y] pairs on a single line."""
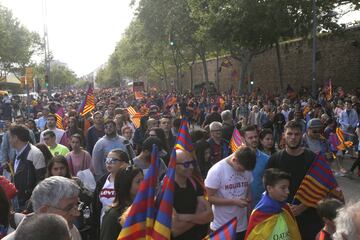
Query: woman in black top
{"points": [[126, 185]]}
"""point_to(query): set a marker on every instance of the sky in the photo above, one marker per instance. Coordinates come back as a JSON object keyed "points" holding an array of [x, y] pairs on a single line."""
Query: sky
{"points": [[83, 33]]}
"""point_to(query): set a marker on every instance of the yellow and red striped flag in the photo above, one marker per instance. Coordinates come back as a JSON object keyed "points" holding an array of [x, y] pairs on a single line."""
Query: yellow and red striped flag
{"points": [[236, 141], [135, 116], [88, 104]]}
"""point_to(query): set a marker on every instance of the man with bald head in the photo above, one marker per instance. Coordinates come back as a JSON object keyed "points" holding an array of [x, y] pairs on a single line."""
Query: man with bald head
{"points": [[191, 209]]}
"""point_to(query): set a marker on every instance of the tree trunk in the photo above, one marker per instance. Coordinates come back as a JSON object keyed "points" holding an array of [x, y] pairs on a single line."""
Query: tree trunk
{"points": [[165, 74], [217, 71], [280, 70], [245, 61], [206, 74]]}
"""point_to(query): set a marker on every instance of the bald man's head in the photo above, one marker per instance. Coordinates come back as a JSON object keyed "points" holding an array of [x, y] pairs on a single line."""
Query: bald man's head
{"points": [[185, 163]]}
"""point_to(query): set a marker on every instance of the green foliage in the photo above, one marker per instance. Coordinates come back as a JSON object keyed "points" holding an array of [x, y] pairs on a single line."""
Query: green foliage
{"points": [[17, 44], [61, 76], [166, 36]]}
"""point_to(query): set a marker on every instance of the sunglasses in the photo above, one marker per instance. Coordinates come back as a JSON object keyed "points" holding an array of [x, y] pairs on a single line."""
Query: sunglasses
{"points": [[188, 163], [109, 160]]}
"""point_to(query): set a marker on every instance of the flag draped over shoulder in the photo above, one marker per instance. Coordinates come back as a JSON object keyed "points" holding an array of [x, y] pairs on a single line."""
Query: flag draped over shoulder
{"points": [[88, 103], [318, 182], [140, 220], [225, 232], [272, 220], [343, 144], [235, 141], [60, 113]]}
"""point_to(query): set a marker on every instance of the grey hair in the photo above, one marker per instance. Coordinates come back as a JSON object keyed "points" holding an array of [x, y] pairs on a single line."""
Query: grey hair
{"points": [[226, 115], [50, 191], [43, 227], [215, 124], [344, 222]]}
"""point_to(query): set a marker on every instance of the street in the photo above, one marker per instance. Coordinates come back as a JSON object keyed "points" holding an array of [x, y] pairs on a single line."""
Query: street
{"points": [[350, 187]]}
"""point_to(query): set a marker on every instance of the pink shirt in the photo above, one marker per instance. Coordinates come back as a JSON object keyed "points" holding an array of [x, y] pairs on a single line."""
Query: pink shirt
{"points": [[78, 162]]}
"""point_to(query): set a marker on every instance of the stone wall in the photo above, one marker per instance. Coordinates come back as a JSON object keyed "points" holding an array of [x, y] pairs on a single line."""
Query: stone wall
{"points": [[338, 59]]}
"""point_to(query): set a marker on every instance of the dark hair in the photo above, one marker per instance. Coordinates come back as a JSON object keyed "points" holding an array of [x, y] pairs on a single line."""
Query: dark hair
{"points": [[293, 125], [327, 208], [273, 175], [4, 208], [45, 151], [49, 133], [78, 136], [143, 122], [246, 157], [122, 186], [21, 132], [262, 135], [160, 133], [200, 148], [176, 123], [148, 143], [121, 154], [198, 134], [249, 128], [58, 159], [52, 115]]}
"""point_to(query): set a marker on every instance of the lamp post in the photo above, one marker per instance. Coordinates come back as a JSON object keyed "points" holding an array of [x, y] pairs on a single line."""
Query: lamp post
{"points": [[313, 80]]}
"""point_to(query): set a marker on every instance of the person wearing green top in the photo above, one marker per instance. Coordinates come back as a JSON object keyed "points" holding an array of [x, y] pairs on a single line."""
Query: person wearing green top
{"points": [[55, 148]]}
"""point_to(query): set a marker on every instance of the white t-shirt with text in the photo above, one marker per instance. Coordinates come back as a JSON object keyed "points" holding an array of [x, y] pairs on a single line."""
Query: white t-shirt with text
{"points": [[230, 184]]}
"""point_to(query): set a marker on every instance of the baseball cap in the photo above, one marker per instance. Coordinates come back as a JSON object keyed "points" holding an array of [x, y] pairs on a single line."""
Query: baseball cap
{"points": [[314, 123]]}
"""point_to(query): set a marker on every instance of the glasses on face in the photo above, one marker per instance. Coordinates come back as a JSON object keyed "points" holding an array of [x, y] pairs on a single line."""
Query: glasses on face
{"points": [[78, 207], [109, 160], [187, 164], [108, 126]]}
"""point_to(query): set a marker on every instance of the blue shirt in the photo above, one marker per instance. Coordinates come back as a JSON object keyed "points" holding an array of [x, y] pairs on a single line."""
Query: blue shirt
{"points": [[257, 186]]}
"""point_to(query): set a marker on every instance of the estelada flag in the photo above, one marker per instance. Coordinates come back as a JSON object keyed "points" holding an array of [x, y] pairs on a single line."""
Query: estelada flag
{"points": [[225, 232], [318, 183], [271, 220]]}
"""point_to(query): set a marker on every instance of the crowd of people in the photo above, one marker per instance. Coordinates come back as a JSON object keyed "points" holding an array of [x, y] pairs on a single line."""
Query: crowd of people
{"points": [[76, 175]]}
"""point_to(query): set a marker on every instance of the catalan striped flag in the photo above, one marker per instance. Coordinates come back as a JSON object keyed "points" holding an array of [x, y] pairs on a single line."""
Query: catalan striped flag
{"points": [[225, 232], [88, 103], [328, 90], [135, 116], [269, 219], [184, 141], [140, 220], [59, 118], [235, 141], [162, 224], [318, 182]]}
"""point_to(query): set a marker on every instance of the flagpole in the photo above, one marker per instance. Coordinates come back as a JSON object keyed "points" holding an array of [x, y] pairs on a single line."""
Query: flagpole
{"points": [[313, 81]]}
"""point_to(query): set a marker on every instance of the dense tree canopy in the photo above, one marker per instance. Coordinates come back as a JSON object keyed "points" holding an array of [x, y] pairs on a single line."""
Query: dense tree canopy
{"points": [[167, 36], [17, 45]]}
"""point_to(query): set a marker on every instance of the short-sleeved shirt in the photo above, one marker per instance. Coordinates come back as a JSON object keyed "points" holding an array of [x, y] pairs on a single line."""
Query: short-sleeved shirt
{"points": [[59, 150], [185, 202], [230, 184]]}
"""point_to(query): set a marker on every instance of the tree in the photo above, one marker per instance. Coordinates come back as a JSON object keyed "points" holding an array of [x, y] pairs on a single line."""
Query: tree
{"points": [[17, 45], [61, 76]]}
